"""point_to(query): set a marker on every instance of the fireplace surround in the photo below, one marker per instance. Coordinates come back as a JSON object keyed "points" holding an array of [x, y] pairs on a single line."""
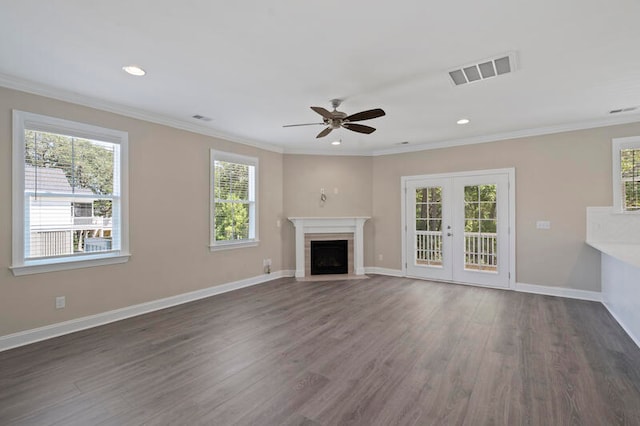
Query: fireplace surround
{"points": [[348, 228]]}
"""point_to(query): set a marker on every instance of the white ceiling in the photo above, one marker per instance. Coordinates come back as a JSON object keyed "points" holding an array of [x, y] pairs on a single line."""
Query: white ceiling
{"points": [[254, 66]]}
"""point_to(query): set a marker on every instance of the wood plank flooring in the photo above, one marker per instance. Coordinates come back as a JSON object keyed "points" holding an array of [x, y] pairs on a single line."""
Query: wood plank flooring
{"points": [[382, 351]]}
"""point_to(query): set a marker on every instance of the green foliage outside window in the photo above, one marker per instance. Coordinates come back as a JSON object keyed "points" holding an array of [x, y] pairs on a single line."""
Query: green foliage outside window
{"points": [[630, 168], [233, 200], [429, 209], [86, 164], [480, 208]]}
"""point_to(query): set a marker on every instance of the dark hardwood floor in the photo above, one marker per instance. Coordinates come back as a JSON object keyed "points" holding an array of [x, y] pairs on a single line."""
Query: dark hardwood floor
{"points": [[382, 351]]}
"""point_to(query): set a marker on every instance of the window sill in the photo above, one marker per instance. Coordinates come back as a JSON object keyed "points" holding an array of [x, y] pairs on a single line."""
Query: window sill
{"points": [[49, 265], [233, 245]]}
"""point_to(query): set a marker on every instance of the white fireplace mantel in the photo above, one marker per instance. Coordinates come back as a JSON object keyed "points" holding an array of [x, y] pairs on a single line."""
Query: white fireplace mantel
{"points": [[330, 225]]}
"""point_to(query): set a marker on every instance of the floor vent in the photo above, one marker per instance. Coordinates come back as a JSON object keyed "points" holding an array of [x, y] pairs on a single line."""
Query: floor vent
{"points": [[483, 70]]}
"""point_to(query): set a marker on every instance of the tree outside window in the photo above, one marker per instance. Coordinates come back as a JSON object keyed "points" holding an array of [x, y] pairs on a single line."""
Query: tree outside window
{"points": [[233, 199]]}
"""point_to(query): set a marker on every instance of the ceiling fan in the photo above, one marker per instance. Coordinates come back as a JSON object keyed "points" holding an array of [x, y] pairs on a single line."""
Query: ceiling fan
{"points": [[336, 119]]}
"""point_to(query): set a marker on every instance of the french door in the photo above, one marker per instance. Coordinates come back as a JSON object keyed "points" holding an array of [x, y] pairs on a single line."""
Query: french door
{"points": [[458, 227]]}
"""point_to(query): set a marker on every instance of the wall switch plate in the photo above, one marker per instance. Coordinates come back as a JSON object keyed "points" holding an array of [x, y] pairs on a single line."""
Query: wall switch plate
{"points": [[543, 224], [61, 302]]}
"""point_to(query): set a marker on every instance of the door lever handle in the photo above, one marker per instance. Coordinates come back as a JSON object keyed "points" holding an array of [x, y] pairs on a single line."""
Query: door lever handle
{"points": [[449, 234]]}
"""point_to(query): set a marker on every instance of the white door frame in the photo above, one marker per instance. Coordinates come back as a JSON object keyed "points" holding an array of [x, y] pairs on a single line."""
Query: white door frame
{"points": [[511, 175]]}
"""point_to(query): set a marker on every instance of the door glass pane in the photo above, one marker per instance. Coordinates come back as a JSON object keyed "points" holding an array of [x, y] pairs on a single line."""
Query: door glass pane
{"points": [[480, 238], [428, 232]]}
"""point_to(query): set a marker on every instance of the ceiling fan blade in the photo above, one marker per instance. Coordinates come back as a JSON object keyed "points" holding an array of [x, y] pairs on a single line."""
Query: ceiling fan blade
{"points": [[323, 112], [306, 124], [324, 133], [360, 128], [366, 115]]}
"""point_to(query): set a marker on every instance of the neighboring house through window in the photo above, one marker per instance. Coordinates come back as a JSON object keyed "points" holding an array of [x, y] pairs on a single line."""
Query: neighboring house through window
{"points": [[233, 200], [69, 202]]}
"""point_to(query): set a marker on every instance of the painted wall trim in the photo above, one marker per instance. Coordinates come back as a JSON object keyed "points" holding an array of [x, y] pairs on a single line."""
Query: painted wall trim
{"points": [[627, 329], [23, 85], [383, 271], [518, 134], [27, 86], [54, 330], [571, 293]]}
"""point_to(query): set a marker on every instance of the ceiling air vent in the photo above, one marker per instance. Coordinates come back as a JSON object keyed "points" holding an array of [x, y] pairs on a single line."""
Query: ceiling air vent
{"points": [[201, 117], [616, 111], [482, 70]]}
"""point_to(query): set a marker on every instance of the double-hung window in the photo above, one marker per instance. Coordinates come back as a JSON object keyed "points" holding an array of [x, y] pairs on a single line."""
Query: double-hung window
{"points": [[233, 200], [626, 174], [69, 195]]}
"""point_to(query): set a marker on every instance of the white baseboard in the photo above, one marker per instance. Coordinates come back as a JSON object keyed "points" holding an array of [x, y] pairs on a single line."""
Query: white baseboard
{"points": [[571, 293], [49, 331], [630, 333], [383, 271]]}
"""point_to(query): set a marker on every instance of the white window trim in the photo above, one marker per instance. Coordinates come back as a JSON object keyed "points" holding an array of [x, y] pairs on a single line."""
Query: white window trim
{"points": [[617, 145], [232, 158], [22, 266]]}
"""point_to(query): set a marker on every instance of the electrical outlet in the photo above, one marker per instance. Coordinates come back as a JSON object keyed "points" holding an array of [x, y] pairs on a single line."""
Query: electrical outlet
{"points": [[61, 302], [543, 224]]}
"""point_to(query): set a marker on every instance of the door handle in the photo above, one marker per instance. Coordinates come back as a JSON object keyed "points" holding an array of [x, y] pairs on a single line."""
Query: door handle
{"points": [[449, 234]]}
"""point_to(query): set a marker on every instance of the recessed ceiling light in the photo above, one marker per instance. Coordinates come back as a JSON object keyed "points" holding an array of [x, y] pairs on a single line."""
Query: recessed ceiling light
{"points": [[336, 142], [134, 70], [463, 121]]}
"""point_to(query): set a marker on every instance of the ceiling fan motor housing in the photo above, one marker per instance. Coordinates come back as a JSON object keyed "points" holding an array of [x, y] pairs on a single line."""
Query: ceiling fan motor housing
{"points": [[336, 121]]}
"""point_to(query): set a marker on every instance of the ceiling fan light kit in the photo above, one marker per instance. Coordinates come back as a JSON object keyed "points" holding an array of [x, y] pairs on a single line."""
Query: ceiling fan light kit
{"points": [[337, 119]]}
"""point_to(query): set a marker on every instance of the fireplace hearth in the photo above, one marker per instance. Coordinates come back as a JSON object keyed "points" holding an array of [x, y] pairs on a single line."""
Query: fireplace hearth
{"points": [[329, 257]]}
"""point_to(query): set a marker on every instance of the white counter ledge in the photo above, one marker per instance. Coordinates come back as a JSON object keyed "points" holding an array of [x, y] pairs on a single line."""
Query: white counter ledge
{"points": [[626, 252], [617, 237]]}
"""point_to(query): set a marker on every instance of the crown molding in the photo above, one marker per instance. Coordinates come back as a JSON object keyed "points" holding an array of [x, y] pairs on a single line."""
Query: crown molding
{"points": [[337, 152], [16, 83], [518, 134]]}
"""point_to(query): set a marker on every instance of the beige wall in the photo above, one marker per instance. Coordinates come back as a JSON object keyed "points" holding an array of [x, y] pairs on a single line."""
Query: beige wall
{"points": [[557, 177], [304, 175], [169, 223]]}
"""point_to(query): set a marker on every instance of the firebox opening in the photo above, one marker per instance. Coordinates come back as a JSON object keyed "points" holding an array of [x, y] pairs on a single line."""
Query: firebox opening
{"points": [[329, 257]]}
